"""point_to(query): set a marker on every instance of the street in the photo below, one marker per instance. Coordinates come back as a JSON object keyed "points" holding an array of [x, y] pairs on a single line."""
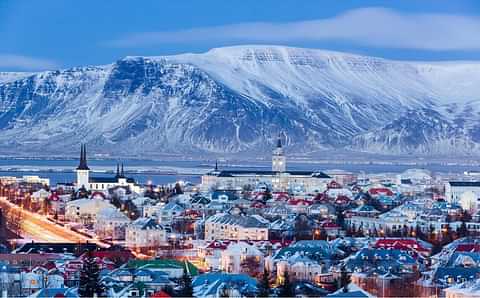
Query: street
{"points": [[38, 228]]}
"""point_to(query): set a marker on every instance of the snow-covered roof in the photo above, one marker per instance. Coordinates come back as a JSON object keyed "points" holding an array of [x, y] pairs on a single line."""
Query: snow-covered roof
{"points": [[146, 223], [240, 220], [112, 214]]}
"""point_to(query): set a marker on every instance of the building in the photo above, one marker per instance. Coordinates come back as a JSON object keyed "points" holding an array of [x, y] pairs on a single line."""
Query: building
{"points": [[278, 179], [225, 226], [144, 234], [85, 210], [279, 161], [239, 255], [101, 183], [111, 224], [455, 190]]}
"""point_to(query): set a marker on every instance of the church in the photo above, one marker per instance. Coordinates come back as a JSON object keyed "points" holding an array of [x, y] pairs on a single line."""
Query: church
{"points": [[100, 183], [279, 179]]}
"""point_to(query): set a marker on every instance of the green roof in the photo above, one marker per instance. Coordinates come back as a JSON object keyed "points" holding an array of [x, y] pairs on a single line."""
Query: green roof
{"points": [[163, 264]]}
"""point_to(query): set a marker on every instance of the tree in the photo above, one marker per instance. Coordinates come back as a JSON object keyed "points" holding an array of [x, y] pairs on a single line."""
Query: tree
{"points": [[462, 230], [340, 219], [286, 289], [264, 286], [447, 236], [186, 283], [90, 284], [250, 265], [344, 279], [178, 189]]}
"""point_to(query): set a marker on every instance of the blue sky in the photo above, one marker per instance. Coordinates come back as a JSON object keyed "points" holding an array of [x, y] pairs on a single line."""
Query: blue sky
{"points": [[49, 34]]}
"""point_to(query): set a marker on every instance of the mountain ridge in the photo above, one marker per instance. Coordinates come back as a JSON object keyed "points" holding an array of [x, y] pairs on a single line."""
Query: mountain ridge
{"points": [[237, 99]]}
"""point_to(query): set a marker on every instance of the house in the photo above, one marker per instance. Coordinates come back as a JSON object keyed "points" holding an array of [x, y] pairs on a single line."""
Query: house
{"points": [[241, 257], [111, 224], [141, 203], [298, 205], [236, 227], [330, 228], [85, 210], [363, 210], [407, 244], [145, 234], [211, 253], [304, 260], [172, 268], [322, 210], [55, 293], [167, 213], [467, 289], [382, 261], [377, 191], [213, 285], [352, 291]]}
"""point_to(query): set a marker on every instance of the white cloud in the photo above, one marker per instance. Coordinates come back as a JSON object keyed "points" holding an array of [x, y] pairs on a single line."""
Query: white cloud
{"points": [[25, 63], [378, 27]]}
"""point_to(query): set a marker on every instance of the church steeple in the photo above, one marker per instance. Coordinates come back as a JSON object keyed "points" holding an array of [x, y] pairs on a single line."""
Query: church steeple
{"points": [[83, 158], [279, 161], [122, 174], [118, 171], [279, 141]]}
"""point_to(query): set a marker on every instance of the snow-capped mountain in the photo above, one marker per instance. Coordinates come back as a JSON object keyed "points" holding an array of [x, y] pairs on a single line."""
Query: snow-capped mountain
{"points": [[237, 99]]}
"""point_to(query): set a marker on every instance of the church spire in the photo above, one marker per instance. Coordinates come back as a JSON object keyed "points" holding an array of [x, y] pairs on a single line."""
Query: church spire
{"points": [[122, 174], [118, 170], [83, 158], [216, 164], [279, 141]]}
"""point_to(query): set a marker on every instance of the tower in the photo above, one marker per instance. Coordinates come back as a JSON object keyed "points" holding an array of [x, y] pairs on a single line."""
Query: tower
{"points": [[83, 172], [279, 161]]}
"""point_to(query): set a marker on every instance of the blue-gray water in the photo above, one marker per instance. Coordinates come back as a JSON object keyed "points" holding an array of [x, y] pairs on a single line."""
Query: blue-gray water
{"points": [[62, 170]]}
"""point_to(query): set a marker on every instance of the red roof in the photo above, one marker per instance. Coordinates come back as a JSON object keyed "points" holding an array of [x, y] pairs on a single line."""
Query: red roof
{"points": [[123, 255], [160, 294], [469, 247], [54, 197], [299, 202], [282, 197], [217, 244], [334, 185], [380, 191], [98, 193], [321, 197], [330, 225], [257, 204], [401, 244], [191, 212]]}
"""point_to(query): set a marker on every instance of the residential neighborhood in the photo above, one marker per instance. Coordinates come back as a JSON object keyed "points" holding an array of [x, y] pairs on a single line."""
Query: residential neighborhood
{"points": [[308, 236]]}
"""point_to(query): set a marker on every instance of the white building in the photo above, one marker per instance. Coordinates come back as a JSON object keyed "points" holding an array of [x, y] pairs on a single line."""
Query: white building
{"points": [[233, 259], [85, 210], [454, 190], [145, 233], [223, 226], [101, 183], [169, 212], [111, 224], [280, 179]]}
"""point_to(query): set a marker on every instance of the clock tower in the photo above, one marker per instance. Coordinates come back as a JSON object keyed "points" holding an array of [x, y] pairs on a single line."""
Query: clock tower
{"points": [[279, 161]]}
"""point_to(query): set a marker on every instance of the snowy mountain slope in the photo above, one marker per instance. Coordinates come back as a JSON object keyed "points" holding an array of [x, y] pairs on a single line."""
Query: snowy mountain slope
{"points": [[237, 99]]}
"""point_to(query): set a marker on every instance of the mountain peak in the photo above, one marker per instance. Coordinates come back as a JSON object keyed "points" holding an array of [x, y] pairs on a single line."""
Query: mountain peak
{"points": [[234, 99]]}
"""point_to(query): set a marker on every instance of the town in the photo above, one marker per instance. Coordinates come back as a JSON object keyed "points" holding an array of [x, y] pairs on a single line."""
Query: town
{"points": [[244, 233]]}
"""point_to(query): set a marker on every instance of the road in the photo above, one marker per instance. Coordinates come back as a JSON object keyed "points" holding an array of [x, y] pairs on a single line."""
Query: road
{"points": [[39, 229]]}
